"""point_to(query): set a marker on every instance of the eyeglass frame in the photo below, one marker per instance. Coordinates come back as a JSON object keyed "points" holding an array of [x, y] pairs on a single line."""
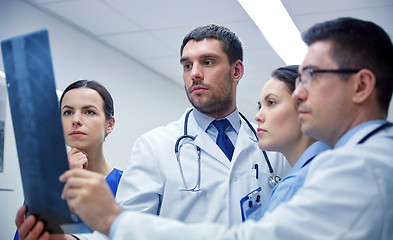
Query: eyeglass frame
{"points": [[311, 73]]}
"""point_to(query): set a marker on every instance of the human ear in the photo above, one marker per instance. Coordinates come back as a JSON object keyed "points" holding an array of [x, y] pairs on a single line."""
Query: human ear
{"points": [[238, 70], [364, 86], [111, 125]]}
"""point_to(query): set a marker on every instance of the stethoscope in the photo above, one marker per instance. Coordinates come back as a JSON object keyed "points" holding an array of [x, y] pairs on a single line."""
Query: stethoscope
{"points": [[375, 131], [273, 179]]}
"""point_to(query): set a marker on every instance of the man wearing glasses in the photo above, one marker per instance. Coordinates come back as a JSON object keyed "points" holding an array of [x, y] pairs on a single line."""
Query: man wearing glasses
{"points": [[343, 95]]}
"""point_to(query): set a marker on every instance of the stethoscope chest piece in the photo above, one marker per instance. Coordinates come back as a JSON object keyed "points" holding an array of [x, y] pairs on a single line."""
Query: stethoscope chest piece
{"points": [[273, 181]]}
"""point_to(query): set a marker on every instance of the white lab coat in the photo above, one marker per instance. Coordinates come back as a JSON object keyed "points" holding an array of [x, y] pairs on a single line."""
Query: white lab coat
{"points": [[152, 179], [347, 195]]}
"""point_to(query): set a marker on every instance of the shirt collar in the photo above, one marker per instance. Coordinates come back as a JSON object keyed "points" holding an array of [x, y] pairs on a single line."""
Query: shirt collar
{"points": [[310, 153], [349, 134], [204, 120]]}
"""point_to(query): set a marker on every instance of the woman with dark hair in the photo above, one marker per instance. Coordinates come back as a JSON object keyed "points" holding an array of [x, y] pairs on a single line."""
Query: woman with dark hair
{"points": [[88, 117], [87, 114], [279, 129]]}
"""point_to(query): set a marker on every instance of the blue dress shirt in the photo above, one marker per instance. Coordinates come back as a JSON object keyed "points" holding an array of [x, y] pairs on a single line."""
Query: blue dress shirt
{"points": [[287, 187], [232, 131], [348, 135]]}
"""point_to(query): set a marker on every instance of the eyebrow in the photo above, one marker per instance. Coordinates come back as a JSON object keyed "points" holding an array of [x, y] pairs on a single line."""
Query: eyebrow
{"points": [[183, 59], [204, 56], [307, 67], [270, 94], [267, 97], [84, 107], [68, 106]]}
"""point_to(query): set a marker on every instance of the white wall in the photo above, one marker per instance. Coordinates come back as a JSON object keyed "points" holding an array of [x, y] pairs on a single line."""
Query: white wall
{"points": [[138, 92]]}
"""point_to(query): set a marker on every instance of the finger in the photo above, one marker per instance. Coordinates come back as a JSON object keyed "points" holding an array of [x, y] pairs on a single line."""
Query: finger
{"points": [[20, 216], [74, 193], [71, 187], [77, 150], [73, 151], [78, 154], [85, 164], [77, 180], [36, 230], [64, 177], [77, 159], [70, 192], [26, 227], [78, 162], [45, 236]]}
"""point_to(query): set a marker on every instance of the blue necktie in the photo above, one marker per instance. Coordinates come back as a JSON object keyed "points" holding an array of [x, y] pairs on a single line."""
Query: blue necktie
{"points": [[222, 139]]}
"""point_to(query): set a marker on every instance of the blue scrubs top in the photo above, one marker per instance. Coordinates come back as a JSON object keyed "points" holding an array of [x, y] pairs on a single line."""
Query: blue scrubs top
{"points": [[113, 180]]}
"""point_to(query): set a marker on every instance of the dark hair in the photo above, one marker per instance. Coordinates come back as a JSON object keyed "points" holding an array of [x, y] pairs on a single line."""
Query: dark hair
{"points": [[105, 95], [287, 75], [230, 43], [359, 44]]}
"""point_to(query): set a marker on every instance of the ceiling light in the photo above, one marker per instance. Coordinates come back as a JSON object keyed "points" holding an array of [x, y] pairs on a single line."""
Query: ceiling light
{"points": [[276, 25]]}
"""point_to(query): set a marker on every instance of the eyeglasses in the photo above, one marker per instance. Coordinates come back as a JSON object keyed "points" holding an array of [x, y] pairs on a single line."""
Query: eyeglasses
{"points": [[308, 74]]}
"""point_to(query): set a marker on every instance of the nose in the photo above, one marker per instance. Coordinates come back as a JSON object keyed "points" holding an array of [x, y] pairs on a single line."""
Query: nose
{"points": [[76, 120], [299, 94], [197, 72], [260, 116]]}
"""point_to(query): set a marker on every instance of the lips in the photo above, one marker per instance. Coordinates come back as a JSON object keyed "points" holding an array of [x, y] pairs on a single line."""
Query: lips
{"points": [[77, 134], [198, 89], [301, 112], [303, 109], [261, 130]]}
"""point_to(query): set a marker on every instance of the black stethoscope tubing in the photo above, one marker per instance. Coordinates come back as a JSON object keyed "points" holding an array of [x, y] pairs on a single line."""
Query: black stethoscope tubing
{"points": [[256, 136], [375, 131]]}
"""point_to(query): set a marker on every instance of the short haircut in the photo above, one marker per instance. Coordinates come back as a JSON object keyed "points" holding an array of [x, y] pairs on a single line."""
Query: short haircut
{"points": [[230, 43], [359, 44]]}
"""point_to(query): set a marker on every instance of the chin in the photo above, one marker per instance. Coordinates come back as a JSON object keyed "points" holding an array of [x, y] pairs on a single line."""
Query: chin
{"points": [[77, 145], [305, 129], [265, 146]]}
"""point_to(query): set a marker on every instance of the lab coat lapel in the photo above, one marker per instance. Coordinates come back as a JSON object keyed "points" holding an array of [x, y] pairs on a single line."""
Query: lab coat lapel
{"points": [[245, 140], [207, 144]]}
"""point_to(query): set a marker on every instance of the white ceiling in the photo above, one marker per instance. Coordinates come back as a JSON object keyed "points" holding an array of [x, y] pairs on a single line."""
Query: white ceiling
{"points": [[151, 31]]}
